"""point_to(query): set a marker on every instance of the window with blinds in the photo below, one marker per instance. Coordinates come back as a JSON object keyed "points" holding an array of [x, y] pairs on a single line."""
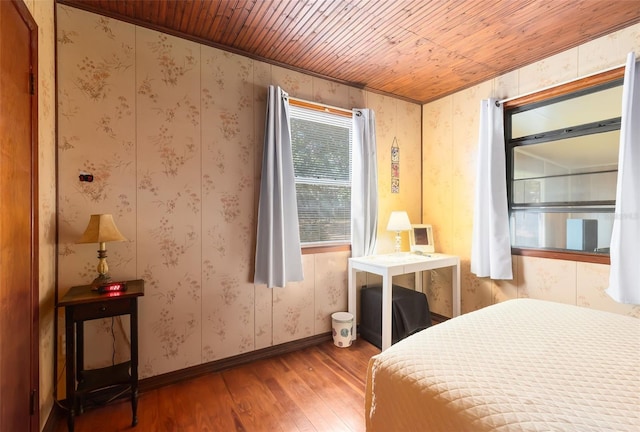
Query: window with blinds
{"points": [[321, 144]]}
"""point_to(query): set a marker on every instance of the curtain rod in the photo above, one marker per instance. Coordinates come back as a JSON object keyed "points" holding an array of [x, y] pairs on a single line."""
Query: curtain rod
{"points": [[328, 107], [498, 103]]}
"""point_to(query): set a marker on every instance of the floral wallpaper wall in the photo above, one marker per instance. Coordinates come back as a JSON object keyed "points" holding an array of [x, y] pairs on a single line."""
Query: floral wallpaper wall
{"points": [[449, 151], [172, 132]]}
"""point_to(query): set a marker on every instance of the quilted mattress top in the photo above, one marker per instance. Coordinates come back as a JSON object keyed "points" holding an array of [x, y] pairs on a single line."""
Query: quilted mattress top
{"points": [[525, 365]]}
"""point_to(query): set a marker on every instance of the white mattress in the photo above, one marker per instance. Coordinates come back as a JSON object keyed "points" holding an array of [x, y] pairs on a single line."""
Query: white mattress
{"points": [[521, 365]]}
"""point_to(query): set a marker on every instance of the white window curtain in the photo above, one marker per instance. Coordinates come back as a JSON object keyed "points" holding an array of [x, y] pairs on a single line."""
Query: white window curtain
{"points": [[364, 184], [278, 255], [624, 276], [491, 245]]}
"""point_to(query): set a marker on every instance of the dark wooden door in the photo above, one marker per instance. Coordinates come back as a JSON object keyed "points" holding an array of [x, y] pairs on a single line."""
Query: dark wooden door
{"points": [[19, 402]]}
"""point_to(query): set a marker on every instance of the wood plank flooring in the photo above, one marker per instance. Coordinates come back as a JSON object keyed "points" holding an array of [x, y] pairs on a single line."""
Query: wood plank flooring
{"points": [[320, 388]]}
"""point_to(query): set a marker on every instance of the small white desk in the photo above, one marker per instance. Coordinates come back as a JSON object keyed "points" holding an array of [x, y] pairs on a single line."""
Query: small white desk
{"points": [[390, 265]]}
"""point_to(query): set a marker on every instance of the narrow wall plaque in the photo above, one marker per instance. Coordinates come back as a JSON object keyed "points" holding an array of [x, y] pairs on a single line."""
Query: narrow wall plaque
{"points": [[395, 166]]}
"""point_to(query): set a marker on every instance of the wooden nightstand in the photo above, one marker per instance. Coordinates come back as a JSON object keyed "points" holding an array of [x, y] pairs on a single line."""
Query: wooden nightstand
{"points": [[82, 304]]}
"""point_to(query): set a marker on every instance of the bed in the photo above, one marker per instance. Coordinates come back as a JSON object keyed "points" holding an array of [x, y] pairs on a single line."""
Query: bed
{"points": [[520, 365]]}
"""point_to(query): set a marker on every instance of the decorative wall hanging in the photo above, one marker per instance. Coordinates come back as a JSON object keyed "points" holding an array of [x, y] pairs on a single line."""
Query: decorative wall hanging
{"points": [[395, 166]]}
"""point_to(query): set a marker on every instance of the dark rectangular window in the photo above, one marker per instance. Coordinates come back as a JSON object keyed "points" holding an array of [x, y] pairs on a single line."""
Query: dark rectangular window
{"points": [[562, 166]]}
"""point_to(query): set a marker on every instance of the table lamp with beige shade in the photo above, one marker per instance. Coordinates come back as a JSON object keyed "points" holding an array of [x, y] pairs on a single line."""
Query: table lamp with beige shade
{"points": [[101, 229], [398, 221]]}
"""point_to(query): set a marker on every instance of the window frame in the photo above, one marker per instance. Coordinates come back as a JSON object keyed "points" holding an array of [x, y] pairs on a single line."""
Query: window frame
{"points": [[576, 86], [315, 248]]}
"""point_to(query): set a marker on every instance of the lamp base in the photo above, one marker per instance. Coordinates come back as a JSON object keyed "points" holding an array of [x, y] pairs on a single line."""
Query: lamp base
{"points": [[398, 246], [100, 280]]}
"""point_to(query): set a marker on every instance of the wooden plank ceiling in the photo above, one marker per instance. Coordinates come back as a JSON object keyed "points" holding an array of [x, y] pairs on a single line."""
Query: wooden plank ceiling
{"points": [[419, 50]]}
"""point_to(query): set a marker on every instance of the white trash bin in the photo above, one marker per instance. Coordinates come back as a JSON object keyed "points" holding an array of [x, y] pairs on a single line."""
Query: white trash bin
{"points": [[342, 329]]}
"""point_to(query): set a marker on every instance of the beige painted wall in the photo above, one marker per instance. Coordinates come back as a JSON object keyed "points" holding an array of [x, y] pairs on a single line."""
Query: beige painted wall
{"points": [[172, 132], [42, 12], [449, 163]]}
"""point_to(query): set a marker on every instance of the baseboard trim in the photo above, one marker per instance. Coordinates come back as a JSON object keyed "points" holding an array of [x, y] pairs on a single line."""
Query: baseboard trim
{"points": [[437, 318], [229, 362]]}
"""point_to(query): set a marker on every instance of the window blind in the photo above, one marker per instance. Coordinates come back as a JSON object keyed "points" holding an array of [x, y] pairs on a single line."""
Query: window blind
{"points": [[321, 144]]}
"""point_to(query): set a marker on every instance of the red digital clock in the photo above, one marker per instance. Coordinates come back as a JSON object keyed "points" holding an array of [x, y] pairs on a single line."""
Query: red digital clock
{"points": [[112, 287]]}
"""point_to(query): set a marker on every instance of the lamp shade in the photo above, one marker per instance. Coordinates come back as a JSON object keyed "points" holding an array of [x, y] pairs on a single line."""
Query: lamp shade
{"points": [[101, 229], [399, 221]]}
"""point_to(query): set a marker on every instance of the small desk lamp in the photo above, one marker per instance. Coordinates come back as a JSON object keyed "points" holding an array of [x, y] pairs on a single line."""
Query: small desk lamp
{"points": [[398, 221], [101, 229]]}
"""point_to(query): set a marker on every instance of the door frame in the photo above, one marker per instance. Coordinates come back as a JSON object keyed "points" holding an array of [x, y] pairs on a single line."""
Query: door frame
{"points": [[34, 361]]}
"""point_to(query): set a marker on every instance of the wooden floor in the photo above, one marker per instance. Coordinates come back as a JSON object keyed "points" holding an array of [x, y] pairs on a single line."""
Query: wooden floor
{"points": [[316, 389]]}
